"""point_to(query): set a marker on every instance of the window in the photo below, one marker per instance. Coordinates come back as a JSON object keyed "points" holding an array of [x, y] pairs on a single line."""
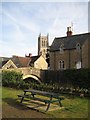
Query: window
{"points": [[42, 43], [61, 48], [78, 65], [61, 64], [78, 47]]}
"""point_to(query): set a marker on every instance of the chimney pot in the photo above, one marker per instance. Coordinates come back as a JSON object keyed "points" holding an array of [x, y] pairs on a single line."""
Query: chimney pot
{"points": [[28, 55], [69, 31]]}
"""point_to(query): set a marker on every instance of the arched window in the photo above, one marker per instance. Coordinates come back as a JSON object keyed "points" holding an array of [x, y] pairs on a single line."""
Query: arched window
{"points": [[44, 43], [62, 65], [61, 48], [78, 47]]}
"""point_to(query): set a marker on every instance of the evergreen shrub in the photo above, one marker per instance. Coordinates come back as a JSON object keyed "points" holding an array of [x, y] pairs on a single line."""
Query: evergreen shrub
{"points": [[11, 78]]}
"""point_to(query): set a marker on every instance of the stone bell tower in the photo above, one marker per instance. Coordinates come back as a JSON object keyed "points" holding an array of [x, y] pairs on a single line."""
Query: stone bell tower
{"points": [[43, 45]]}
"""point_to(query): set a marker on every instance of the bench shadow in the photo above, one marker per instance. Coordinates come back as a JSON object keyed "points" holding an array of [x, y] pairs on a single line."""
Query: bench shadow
{"points": [[21, 106], [14, 103], [35, 104]]}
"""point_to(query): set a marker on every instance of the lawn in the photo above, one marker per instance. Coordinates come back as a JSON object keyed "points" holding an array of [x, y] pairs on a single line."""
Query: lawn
{"points": [[75, 107]]}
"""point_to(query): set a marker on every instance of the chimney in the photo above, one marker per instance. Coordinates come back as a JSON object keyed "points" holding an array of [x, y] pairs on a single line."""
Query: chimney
{"points": [[28, 55], [69, 31]]}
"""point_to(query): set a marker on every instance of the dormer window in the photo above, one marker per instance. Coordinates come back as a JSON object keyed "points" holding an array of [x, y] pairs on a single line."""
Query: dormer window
{"points": [[61, 48], [78, 47]]}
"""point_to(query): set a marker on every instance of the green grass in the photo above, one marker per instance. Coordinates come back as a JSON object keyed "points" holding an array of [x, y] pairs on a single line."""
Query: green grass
{"points": [[9, 94], [75, 107]]}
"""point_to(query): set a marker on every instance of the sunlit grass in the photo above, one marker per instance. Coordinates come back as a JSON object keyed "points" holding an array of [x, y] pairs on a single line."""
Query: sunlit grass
{"points": [[74, 107]]}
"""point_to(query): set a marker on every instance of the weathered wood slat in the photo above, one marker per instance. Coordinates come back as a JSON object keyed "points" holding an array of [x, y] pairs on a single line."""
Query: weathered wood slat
{"points": [[39, 99], [22, 95], [33, 93]]}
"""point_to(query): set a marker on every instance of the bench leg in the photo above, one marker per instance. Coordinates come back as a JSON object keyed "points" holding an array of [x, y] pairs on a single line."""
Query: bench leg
{"points": [[32, 94], [48, 104], [60, 102], [22, 98]]}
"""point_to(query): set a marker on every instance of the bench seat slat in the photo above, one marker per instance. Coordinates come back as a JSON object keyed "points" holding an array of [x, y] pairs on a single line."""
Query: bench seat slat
{"points": [[34, 98], [39, 99], [22, 95], [42, 100]]}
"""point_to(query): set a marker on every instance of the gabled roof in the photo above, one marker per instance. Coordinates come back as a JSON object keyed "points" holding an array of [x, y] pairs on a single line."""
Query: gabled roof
{"points": [[33, 59], [69, 42], [5, 58], [17, 60], [21, 61], [3, 61], [8, 64]]}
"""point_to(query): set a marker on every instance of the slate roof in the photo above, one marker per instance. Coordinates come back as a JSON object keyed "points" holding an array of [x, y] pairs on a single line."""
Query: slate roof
{"points": [[17, 60], [33, 59], [21, 61], [69, 42], [5, 58], [3, 61]]}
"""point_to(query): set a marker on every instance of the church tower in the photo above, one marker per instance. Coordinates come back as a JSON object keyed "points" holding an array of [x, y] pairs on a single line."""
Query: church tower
{"points": [[43, 45]]}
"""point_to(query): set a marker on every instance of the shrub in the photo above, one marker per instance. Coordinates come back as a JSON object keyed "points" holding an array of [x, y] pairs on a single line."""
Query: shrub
{"points": [[11, 78]]}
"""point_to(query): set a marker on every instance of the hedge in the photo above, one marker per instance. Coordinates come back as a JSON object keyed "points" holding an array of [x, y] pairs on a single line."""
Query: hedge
{"points": [[68, 81], [73, 77]]}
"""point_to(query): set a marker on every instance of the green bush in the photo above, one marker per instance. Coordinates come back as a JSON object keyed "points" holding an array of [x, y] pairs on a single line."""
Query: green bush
{"points": [[11, 79]]}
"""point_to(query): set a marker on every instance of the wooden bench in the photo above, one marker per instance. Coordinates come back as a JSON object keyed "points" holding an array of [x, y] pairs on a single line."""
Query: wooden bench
{"points": [[50, 95]]}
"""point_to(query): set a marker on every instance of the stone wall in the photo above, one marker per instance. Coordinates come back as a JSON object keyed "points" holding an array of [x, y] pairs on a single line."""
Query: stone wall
{"points": [[86, 55], [71, 57], [29, 71]]}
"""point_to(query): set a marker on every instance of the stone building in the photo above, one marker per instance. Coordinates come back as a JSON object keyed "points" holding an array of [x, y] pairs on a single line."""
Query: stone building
{"points": [[70, 52], [28, 61], [38, 62], [43, 45], [14, 62], [8, 64]]}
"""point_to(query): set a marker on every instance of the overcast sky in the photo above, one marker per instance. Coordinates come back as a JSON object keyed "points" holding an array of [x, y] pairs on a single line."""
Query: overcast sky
{"points": [[22, 22]]}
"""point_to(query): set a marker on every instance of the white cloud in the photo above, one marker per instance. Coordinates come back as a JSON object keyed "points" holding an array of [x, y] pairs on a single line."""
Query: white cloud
{"points": [[22, 22], [19, 39]]}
